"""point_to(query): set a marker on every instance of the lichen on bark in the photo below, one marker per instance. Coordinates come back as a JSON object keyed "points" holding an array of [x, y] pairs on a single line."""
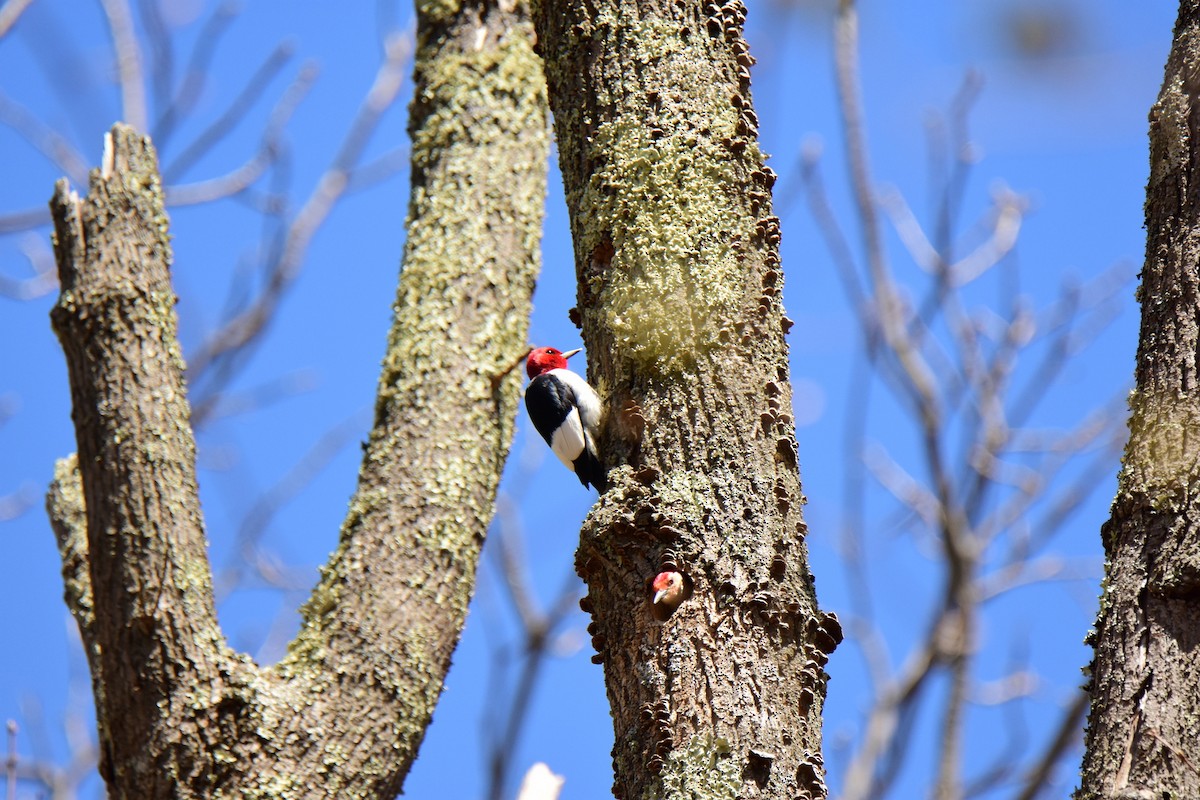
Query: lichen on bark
{"points": [[1145, 676], [343, 714], [679, 286]]}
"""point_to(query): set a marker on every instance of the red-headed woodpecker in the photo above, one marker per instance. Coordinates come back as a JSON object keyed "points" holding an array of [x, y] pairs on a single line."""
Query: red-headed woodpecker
{"points": [[566, 412], [668, 589]]}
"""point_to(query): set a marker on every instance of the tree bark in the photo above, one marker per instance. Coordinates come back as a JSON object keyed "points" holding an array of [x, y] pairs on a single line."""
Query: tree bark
{"points": [[679, 279], [180, 714], [1145, 714], [157, 645]]}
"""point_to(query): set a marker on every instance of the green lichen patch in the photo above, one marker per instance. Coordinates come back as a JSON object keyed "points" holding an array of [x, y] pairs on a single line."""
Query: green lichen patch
{"points": [[704, 769], [664, 194]]}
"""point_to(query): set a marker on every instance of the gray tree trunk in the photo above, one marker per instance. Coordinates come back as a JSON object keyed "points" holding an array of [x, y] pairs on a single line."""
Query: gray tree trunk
{"points": [[1143, 737], [677, 261], [180, 714]]}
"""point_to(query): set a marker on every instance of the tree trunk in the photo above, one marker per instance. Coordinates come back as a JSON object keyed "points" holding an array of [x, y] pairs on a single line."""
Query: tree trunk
{"points": [[679, 298], [1145, 717], [180, 714]]}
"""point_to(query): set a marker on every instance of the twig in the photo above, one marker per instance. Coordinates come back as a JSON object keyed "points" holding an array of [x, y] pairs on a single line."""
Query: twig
{"points": [[499, 379], [378, 170], [10, 13], [49, 142], [852, 539], [129, 62], [239, 332], [1066, 734], [537, 629], [194, 73], [888, 305], [162, 51], [1016, 733], [297, 479], [24, 220], [10, 762], [222, 186], [237, 109], [882, 722], [45, 276]]}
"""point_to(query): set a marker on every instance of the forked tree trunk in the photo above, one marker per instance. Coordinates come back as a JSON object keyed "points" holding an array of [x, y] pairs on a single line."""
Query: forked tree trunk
{"points": [[679, 277], [1143, 736], [180, 714]]}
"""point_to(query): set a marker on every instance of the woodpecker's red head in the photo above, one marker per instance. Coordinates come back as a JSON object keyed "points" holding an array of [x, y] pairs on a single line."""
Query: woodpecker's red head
{"points": [[544, 359], [668, 589]]}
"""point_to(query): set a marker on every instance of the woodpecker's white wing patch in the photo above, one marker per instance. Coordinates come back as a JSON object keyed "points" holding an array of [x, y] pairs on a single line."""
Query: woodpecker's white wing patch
{"points": [[586, 400], [578, 430], [568, 441], [566, 412]]}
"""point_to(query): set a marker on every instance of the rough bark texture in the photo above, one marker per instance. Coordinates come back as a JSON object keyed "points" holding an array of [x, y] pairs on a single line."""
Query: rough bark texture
{"points": [[342, 715], [1145, 717], [159, 647], [679, 299], [442, 430]]}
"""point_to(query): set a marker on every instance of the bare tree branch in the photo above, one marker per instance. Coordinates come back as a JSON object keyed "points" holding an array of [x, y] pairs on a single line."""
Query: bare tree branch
{"points": [[24, 220], [1066, 734], [162, 51], [195, 71], [259, 80], [129, 62], [49, 142], [236, 334], [10, 13], [537, 629]]}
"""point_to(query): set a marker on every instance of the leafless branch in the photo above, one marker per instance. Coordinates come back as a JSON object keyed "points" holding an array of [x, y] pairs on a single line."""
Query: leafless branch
{"points": [[259, 80], [10, 761], [49, 142], [888, 306], [24, 220], [45, 277], [378, 170], [242, 178], [1067, 733], [536, 635], [194, 73], [952, 367], [10, 13], [162, 51], [239, 332], [129, 62], [49, 779], [298, 478], [259, 517]]}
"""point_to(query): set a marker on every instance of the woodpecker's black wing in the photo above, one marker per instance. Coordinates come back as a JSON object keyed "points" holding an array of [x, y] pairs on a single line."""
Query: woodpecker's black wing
{"points": [[564, 410], [550, 402]]}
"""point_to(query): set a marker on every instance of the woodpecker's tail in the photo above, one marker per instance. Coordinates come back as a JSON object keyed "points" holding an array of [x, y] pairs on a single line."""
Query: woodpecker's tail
{"points": [[590, 470]]}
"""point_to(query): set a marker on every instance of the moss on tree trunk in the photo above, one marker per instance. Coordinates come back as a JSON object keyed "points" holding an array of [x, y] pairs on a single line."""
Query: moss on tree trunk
{"points": [[1145, 714], [342, 716], [679, 277]]}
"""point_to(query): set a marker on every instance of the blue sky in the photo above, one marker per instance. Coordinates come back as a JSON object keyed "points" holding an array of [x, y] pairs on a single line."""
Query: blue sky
{"points": [[1067, 130]]}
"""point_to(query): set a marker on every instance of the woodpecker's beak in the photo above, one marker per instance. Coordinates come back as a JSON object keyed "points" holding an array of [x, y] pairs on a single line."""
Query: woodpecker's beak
{"points": [[570, 353], [659, 595]]}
